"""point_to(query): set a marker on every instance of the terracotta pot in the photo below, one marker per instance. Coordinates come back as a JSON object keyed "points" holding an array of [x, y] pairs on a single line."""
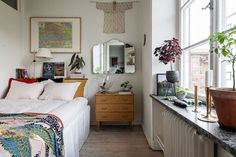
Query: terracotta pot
{"points": [[225, 103]]}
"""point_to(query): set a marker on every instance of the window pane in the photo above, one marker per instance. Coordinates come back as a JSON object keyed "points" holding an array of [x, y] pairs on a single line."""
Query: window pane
{"points": [[229, 13], [196, 22], [196, 63]]}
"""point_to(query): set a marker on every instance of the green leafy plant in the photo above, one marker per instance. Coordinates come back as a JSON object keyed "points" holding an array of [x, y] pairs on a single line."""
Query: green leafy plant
{"points": [[181, 89], [76, 62], [226, 43], [126, 86]]}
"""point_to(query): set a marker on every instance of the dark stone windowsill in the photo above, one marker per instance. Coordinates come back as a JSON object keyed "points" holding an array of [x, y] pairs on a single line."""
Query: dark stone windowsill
{"points": [[223, 138]]}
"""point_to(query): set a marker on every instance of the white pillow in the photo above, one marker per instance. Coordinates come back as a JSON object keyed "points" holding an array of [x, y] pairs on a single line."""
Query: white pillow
{"points": [[46, 82], [60, 91], [21, 90]]}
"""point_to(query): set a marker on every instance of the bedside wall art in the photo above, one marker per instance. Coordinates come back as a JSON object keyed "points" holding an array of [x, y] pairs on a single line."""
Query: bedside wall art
{"points": [[60, 35]]}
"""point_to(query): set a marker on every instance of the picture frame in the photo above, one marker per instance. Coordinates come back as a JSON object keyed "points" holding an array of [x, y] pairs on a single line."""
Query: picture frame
{"points": [[54, 70], [22, 73], [164, 88], [59, 70], [15, 4], [48, 70], [59, 34]]}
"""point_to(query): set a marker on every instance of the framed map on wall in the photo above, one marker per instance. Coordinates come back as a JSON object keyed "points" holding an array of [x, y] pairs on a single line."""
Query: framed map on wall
{"points": [[60, 35]]}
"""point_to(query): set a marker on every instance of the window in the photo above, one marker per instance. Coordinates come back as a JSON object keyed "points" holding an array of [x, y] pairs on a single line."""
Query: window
{"points": [[196, 58], [227, 21], [198, 20]]}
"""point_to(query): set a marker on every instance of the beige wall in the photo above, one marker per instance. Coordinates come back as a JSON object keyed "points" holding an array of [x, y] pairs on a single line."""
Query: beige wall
{"points": [[92, 33], [10, 43]]}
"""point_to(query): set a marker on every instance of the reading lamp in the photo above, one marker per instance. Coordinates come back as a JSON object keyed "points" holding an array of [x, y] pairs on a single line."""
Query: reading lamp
{"points": [[44, 53]]}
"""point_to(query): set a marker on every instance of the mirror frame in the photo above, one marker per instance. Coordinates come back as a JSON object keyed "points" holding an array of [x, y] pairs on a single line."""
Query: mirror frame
{"points": [[107, 44]]}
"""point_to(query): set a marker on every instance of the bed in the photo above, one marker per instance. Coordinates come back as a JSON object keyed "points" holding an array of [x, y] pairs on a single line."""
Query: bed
{"points": [[74, 115]]}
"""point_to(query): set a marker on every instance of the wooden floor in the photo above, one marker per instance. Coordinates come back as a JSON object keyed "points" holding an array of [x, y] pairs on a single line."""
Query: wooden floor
{"points": [[117, 141]]}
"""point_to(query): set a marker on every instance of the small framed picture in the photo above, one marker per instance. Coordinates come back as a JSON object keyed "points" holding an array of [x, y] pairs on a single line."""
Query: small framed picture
{"points": [[53, 70], [22, 74], [48, 70], [164, 88], [59, 70]]}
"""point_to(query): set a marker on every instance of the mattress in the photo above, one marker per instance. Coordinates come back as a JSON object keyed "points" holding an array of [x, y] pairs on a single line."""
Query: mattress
{"points": [[65, 110], [75, 116]]}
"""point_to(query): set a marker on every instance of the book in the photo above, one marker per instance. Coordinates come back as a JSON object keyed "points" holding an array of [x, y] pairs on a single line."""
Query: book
{"points": [[22, 73], [124, 92], [48, 70], [76, 75]]}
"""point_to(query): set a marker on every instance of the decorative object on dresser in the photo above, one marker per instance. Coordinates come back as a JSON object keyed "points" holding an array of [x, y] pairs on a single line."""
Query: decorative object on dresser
{"points": [[112, 107], [169, 52], [126, 88], [76, 63], [60, 34], [225, 98], [104, 82]]}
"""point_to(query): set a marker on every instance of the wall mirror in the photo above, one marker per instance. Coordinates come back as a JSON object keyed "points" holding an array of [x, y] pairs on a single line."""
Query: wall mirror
{"points": [[114, 56]]}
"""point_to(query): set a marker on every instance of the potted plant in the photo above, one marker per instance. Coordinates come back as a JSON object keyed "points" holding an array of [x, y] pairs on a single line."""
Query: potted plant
{"points": [[126, 86], [76, 63], [181, 92], [168, 53], [225, 98]]}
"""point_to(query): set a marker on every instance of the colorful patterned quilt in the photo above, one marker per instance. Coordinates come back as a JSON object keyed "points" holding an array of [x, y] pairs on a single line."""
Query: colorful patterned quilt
{"points": [[31, 135]]}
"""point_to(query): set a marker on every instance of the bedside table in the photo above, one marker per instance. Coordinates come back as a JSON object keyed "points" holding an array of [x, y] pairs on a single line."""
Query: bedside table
{"points": [[114, 107]]}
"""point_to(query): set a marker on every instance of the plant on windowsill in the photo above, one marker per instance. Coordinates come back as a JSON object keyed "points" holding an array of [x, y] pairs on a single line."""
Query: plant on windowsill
{"points": [[225, 98], [169, 52], [76, 63], [181, 92]]}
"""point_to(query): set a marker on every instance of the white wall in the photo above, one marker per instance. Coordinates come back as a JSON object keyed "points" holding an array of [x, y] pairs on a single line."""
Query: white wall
{"points": [[10, 43], [159, 23], [146, 21], [165, 26], [92, 33]]}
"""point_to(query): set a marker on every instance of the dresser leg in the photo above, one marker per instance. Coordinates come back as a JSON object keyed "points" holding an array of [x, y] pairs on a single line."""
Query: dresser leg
{"points": [[99, 124], [130, 124]]}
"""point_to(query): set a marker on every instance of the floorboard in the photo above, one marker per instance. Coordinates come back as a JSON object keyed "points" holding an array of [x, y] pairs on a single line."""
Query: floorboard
{"points": [[117, 141]]}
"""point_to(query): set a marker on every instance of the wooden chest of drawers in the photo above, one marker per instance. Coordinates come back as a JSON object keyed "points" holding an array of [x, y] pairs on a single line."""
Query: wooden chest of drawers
{"points": [[114, 107]]}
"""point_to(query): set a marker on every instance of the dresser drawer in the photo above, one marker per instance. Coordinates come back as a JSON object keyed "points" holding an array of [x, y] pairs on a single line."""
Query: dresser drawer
{"points": [[128, 116], [125, 99], [114, 108]]}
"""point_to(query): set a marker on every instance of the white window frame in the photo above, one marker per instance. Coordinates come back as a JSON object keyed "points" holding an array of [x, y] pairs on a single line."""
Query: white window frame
{"points": [[216, 26]]}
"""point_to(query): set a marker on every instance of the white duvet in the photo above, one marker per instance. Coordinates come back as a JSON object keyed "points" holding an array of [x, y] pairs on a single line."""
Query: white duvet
{"points": [[65, 110]]}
